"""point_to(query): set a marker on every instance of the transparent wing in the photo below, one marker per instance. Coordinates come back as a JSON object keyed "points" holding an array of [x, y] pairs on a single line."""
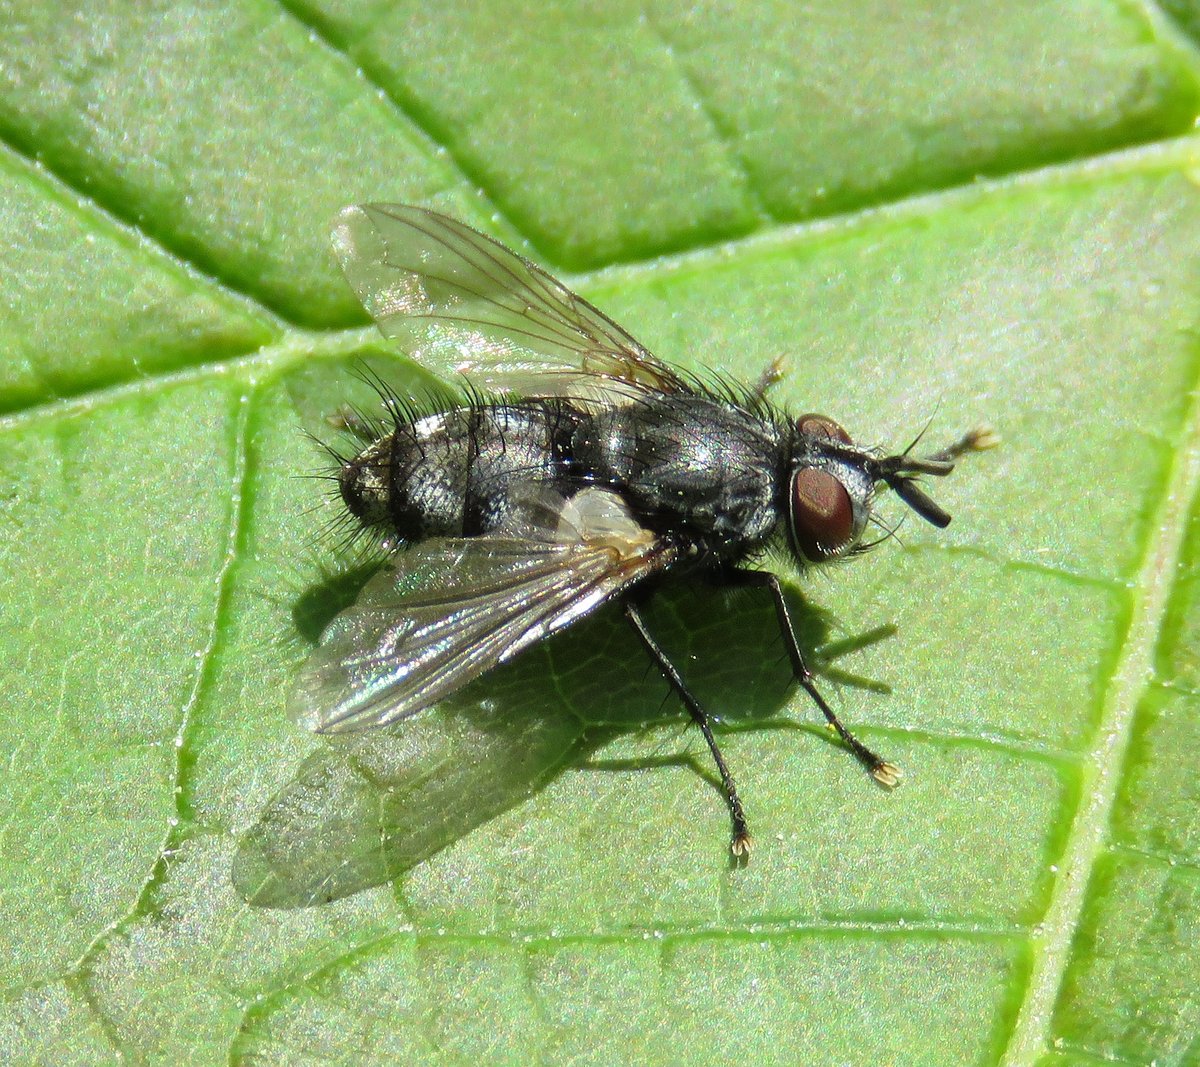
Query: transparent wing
{"points": [[462, 303], [453, 608]]}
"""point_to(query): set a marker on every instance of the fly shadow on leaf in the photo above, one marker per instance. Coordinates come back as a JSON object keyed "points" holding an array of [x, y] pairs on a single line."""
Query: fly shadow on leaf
{"points": [[365, 808]]}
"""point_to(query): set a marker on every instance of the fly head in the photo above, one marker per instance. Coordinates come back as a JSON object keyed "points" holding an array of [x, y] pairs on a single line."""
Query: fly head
{"points": [[832, 488]]}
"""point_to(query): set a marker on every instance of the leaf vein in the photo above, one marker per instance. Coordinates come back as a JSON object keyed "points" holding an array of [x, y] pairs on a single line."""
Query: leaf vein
{"points": [[13, 140], [180, 818], [438, 148], [1104, 766], [723, 134]]}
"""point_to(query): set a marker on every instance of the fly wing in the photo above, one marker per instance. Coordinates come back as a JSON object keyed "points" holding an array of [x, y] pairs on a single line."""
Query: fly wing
{"points": [[407, 644], [462, 303]]}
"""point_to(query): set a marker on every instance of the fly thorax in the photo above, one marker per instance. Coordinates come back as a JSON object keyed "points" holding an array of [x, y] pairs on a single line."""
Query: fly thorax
{"points": [[687, 463]]}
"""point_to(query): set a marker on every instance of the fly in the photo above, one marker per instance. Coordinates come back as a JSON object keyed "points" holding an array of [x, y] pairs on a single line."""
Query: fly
{"points": [[592, 471]]}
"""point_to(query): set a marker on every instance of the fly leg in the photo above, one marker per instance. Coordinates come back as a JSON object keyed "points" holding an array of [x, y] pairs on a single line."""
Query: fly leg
{"points": [[352, 421], [882, 771], [977, 440], [773, 372], [740, 845]]}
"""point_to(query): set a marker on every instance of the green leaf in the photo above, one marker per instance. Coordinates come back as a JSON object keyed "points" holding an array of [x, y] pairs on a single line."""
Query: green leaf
{"points": [[537, 871]]}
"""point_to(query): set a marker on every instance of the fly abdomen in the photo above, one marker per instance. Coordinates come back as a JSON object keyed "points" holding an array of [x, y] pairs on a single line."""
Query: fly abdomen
{"points": [[452, 474]]}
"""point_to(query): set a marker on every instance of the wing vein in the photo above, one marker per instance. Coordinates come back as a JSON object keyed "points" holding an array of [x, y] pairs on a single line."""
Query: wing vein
{"points": [[405, 645]]}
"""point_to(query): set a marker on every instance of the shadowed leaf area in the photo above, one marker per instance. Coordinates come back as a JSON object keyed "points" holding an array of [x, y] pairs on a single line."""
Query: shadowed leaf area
{"points": [[944, 214]]}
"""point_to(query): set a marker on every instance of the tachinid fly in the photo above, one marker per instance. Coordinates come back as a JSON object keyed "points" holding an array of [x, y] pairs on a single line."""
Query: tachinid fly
{"points": [[592, 472]]}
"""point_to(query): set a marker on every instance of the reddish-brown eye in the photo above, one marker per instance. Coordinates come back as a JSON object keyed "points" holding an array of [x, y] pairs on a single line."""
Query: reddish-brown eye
{"points": [[822, 426], [822, 515]]}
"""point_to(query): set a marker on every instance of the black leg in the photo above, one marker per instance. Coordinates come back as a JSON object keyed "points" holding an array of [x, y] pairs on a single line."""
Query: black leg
{"points": [[881, 770], [741, 836]]}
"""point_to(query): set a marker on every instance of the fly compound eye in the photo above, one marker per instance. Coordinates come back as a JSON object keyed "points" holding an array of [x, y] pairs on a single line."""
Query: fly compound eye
{"points": [[815, 425], [822, 514]]}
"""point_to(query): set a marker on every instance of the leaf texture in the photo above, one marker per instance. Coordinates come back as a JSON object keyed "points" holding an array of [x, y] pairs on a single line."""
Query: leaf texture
{"points": [[949, 212]]}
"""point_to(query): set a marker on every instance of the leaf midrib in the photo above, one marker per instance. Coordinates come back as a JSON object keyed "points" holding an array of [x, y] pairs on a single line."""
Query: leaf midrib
{"points": [[1103, 766]]}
